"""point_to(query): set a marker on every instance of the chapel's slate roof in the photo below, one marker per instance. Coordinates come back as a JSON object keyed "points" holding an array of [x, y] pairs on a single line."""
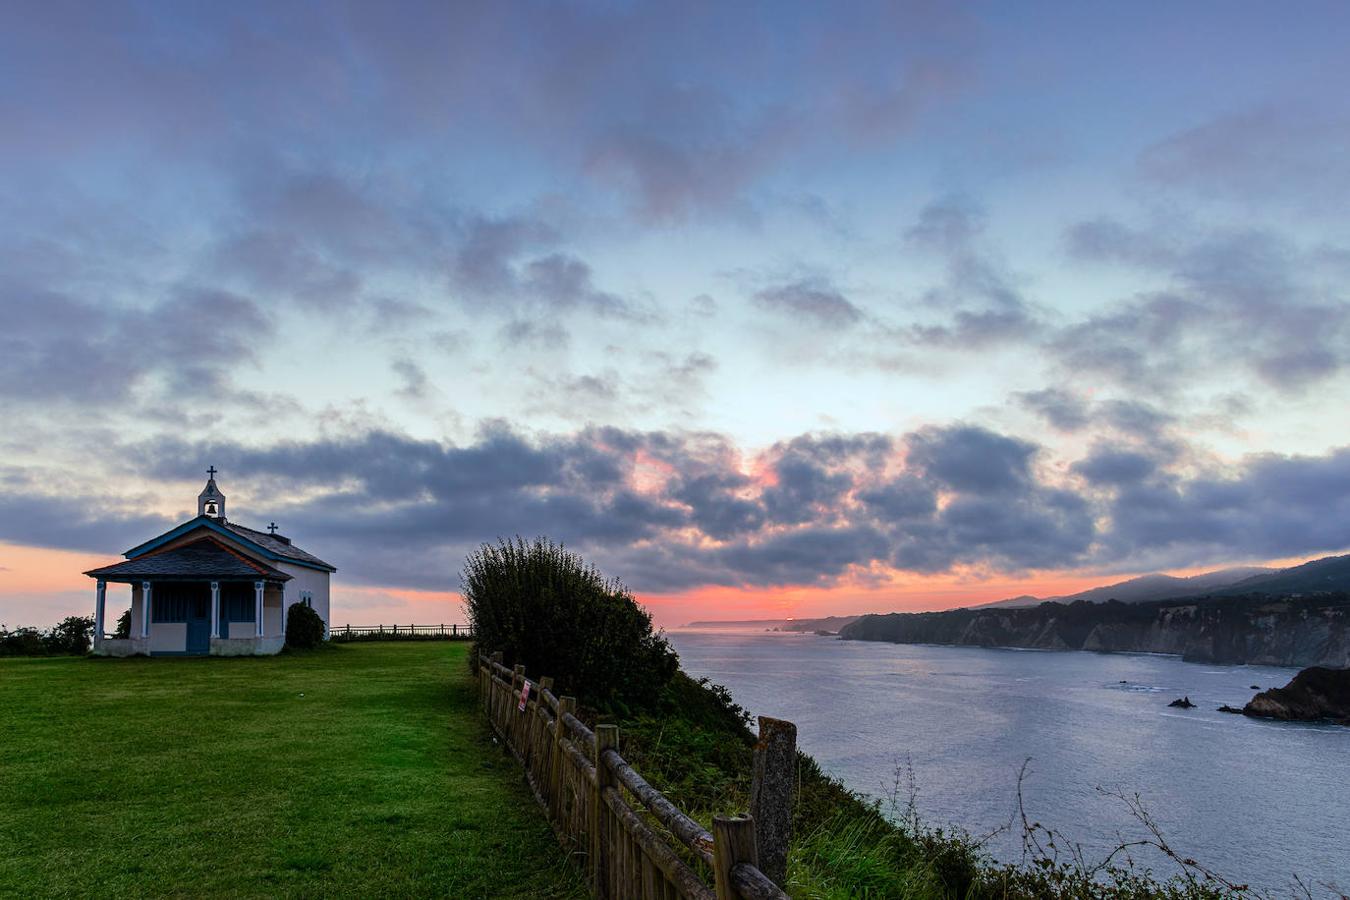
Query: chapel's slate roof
{"points": [[273, 544], [201, 559]]}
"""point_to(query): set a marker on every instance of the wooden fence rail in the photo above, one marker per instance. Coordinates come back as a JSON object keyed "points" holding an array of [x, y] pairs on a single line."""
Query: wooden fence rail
{"points": [[445, 631], [637, 844]]}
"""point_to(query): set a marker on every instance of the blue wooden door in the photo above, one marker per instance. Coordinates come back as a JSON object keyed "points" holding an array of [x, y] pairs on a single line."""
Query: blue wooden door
{"points": [[199, 625]]}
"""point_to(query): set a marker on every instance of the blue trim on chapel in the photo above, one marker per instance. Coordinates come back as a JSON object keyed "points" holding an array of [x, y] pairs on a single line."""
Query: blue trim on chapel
{"points": [[213, 525]]}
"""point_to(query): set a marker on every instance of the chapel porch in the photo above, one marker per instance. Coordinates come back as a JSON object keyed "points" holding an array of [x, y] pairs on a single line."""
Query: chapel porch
{"points": [[197, 599]]}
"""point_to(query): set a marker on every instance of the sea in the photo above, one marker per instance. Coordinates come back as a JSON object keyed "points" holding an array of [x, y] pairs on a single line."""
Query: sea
{"points": [[952, 728]]}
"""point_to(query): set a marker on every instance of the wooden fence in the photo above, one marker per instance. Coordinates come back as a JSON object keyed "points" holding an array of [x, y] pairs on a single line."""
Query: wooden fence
{"points": [[637, 844], [449, 632]]}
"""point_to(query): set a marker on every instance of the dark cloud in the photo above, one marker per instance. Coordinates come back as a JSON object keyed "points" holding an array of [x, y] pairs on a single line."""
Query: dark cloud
{"points": [[969, 458], [977, 298], [1063, 409], [947, 226], [1036, 528], [976, 330], [678, 113], [563, 281], [1271, 506], [59, 347], [416, 385], [1291, 154], [671, 510], [904, 498], [1242, 300], [485, 262], [1108, 465], [1071, 412], [534, 334], [1108, 240], [94, 523], [281, 262], [814, 299]]}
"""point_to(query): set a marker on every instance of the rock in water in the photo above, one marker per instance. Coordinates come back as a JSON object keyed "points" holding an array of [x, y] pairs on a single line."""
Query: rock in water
{"points": [[1230, 709], [1314, 694], [1183, 703]]}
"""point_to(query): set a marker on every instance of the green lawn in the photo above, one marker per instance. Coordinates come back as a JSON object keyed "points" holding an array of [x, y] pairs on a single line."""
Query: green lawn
{"points": [[364, 769]]}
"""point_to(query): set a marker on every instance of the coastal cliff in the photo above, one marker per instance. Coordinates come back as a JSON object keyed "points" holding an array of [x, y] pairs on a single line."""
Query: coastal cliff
{"points": [[1314, 694], [1309, 630]]}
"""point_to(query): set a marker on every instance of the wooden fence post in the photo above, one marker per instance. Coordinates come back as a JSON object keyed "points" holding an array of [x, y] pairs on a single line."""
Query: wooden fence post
{"points": [[512, 720], [771, 791], [733, 844], [566, 706], [492, 688], [537, 733], [606, 736]]}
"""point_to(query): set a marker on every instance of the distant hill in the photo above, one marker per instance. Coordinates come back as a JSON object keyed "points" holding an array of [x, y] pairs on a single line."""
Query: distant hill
{"points": [[829, 623], [1252, 628], [1152, 587], [1330, 573]]}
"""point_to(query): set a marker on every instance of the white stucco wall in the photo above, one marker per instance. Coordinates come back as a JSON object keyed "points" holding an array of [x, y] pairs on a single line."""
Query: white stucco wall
{"points": [[273, 625], [135, 612], [168, 636], [163, 635], [311, 580]]}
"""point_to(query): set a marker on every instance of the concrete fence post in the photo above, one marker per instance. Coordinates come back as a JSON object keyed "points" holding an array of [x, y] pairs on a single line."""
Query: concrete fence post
{"points": [[733, 844], [771, 795]]}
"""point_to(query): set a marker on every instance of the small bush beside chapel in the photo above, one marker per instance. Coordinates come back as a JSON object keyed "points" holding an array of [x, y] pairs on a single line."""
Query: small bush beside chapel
{"points": [[304, 628]]}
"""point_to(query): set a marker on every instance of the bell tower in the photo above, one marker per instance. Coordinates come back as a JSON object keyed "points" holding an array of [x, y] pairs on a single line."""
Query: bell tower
{"points": [[211, 502]]}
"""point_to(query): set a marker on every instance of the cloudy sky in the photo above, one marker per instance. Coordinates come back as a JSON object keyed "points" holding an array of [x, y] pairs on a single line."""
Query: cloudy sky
{"points": [[768, 309]]}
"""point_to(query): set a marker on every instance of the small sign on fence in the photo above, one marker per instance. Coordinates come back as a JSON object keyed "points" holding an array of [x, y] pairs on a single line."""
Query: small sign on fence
{"points": [[524, 696]]}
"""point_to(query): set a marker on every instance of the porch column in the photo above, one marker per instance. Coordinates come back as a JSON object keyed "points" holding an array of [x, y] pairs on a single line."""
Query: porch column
{"points": [[281, 588], [145, 609], [215, 609], [258, 608], [100, 601]]}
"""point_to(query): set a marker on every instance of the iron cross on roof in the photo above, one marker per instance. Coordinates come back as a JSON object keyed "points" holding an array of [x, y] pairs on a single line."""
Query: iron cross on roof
{"points": [[272, 528], [211, 473]]}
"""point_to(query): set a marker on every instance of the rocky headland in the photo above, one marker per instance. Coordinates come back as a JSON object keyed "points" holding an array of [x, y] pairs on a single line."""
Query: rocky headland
{"points": [[1257, 629], [1315, 694]]}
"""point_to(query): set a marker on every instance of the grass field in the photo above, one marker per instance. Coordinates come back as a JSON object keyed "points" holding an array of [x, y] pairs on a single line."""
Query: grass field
{"points": [[364, 769]]}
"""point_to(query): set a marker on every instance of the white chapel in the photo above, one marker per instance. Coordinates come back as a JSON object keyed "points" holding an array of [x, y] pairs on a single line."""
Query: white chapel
{"points": [[211, 587]]}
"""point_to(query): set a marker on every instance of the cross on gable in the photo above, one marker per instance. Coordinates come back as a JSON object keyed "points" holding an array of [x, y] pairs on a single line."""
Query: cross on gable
{"points": [[211, 473], [272, 528]]}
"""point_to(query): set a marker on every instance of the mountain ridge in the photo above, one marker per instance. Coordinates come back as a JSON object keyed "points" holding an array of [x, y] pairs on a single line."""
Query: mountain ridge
{"points": [[1327, 573], [1153, 586]]}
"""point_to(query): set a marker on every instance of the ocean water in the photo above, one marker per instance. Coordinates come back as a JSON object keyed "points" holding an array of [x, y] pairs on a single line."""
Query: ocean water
{"points": [[1256, 801]]}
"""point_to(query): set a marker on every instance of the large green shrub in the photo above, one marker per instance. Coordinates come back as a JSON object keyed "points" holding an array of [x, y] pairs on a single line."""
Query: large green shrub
{"points": [[72, 635], [304, 628], [546, 607], [22, 642]]}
